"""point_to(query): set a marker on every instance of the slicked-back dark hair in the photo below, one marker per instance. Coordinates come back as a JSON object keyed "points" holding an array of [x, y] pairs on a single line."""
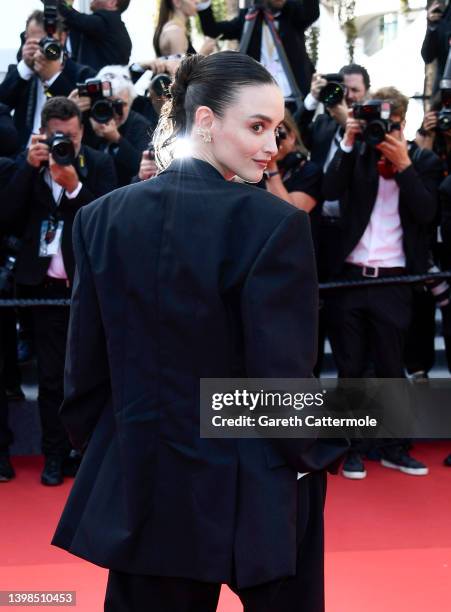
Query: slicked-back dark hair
{"points": [[213, 81]]}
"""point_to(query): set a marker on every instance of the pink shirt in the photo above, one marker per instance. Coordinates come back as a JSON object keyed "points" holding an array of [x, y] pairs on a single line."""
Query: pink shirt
{"points": [[381, 243]]}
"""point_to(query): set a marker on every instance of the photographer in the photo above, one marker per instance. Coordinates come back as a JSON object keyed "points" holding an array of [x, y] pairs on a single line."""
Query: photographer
{"points": [[292, 18], [322, 135], [290, 176], [116, 129], [53, 179], [436, 41], [27, 86], [388, 200], [100, 38]]}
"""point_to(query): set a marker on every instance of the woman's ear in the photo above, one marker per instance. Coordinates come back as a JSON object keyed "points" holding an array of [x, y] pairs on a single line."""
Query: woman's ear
{"points": [[204, 117]]}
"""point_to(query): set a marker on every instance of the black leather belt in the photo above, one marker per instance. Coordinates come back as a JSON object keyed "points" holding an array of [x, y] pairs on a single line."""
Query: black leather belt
{"points": [[370, 272]]}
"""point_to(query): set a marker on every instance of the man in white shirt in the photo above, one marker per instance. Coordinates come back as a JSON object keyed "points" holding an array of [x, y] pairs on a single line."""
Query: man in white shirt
{"points": [[388, 200]]}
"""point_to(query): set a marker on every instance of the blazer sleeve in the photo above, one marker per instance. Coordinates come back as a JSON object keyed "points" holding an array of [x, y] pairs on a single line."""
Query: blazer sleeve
{"points": [[92, 25], [280, 304], [12, 88], [19, 177], [230, 30], [304, 13], [87, 386], [102, 183], [419, 185], [132, 145], [305, 119], [430, 47], [338, 176], [280, 316]]}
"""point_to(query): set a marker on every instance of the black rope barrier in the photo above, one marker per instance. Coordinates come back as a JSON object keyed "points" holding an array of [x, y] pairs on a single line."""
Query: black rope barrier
{"points": [[347, 284]]}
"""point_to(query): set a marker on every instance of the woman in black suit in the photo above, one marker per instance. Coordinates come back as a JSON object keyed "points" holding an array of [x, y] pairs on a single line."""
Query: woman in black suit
{"points": [[186, 276]]}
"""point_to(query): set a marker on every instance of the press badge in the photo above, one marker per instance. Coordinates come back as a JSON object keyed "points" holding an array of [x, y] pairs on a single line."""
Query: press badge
{"points": [[51, 234]]}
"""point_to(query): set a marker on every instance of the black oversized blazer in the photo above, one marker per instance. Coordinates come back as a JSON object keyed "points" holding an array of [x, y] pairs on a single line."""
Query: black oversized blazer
{"points": [[182, 277]]}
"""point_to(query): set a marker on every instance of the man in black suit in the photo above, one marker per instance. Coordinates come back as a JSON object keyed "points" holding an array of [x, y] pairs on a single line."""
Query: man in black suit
{"points": [[100, 38], [388, 200], [436, 43], [322, 134], [292, 18], [43, 197], [28, 85], [127, 134]]}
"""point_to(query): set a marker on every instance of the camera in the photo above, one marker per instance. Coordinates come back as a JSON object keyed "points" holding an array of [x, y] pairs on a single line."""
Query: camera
{"points": [[444, 114], [376, 114], [61, 148], [51, 48], [334, 92], [102, 109], [10, 247]]}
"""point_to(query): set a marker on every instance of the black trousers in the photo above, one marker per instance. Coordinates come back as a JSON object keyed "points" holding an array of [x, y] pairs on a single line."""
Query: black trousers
{"points": [[369, 322], [50, 324], [419, 352], [365, 324], [303, 592], [13, 376]]}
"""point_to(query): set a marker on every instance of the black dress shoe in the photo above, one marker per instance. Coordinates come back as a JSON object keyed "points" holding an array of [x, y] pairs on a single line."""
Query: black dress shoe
{"points": [[6, 469], [447, 461], [52, 474]]}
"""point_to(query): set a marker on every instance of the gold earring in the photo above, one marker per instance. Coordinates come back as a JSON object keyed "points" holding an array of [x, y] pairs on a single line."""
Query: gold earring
{"points": [[204, 134]]}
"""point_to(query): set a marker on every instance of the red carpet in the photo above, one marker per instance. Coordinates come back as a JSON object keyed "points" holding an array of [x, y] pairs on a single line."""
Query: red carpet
{"points": [[388, 541]]}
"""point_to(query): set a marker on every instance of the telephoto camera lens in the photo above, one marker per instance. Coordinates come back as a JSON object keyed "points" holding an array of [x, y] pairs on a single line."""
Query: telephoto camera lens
{"points": [[51, 48], [444, 120], [374, 133], [102, 111], [62, 150]]}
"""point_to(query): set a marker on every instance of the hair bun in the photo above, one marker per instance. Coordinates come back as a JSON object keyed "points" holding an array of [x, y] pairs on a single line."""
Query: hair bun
{"points": [[183, 77]]}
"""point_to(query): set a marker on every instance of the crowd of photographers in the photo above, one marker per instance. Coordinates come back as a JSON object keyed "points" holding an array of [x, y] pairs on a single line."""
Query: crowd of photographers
{"points": [[73, 128]]}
